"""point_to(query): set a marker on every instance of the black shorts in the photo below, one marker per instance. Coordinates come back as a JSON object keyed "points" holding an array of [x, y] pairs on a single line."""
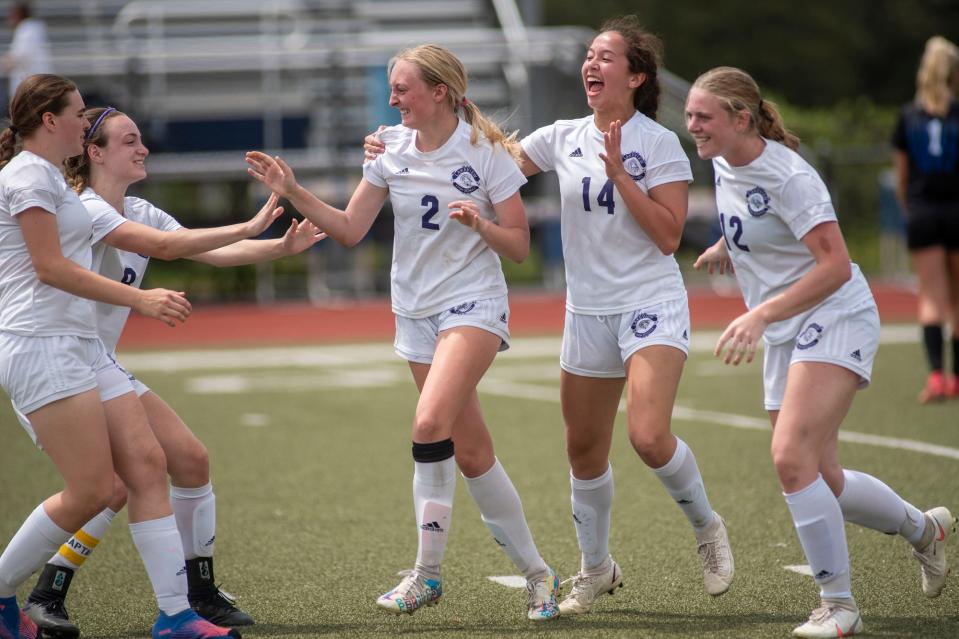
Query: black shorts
{"points": [[928, 226]]}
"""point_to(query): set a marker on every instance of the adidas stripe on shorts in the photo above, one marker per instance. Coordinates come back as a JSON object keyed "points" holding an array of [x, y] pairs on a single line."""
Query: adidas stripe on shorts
{"points": [[416, 338], [600, 345], [832, 334]]}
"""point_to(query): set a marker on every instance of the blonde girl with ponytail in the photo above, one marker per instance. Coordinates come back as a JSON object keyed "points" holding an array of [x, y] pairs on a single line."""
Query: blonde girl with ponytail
{"points": [[453, 182], [813, 309]]}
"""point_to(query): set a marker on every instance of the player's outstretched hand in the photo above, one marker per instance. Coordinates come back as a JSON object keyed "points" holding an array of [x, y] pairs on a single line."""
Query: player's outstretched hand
{"points": [[264, 217], [715, 258], [301, 236], [167, 306], [466, 213], [372, 145], [273, 172]]}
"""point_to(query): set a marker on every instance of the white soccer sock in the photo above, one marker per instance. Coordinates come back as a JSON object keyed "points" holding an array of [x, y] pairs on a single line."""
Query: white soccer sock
{"points": [[434, 484], [159, 545], [195, 512], [592, 504], [80, 546], [684, 484], [502, 513], [868, 502], [31, 546], [819, 524]]}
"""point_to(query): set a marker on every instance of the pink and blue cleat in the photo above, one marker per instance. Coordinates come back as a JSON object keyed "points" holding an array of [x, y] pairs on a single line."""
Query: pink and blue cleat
{"points": [[189, 625], [11, 615]]}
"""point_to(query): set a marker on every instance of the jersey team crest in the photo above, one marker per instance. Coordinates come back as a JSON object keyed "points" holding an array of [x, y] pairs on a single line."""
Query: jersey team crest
{"points": [[644, 324], [809, 337], [757, 200], [466, 179], [635, 165]]}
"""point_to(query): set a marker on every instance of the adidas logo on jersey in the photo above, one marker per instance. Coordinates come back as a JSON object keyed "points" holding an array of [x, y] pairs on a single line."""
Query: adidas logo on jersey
{"points": [[578, 153], [404, 171], [856, 355]]}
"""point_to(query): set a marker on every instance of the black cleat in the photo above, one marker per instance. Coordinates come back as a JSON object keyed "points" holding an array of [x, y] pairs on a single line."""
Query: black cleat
{"points": [[51, 618], [219, 607], [208, 600]]}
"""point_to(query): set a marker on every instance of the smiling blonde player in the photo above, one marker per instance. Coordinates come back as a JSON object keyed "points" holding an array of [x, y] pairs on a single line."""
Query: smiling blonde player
{"points": [[816, 314], [454, 187]]}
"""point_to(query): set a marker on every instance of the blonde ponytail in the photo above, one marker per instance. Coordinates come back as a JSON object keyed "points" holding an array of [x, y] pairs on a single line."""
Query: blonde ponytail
{"points": [[482, 125]]}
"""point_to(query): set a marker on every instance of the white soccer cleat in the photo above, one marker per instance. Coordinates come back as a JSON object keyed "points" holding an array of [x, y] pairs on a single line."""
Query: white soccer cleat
{"points": [[413, 593], [835, 618], [717, 557], [587, 588], [932, 558], [541, 604]]}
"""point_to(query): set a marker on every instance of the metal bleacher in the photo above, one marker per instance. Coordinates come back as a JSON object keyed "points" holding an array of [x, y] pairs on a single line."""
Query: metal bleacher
{"points": [[206, 78]]}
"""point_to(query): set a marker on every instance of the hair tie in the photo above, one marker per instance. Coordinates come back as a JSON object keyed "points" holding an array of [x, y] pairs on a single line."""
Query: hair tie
{"points": [[96, 123], [465, 101], [13, 129]]}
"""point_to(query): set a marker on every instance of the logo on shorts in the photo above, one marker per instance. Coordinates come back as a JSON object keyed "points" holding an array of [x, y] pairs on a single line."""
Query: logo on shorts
{"points": [[643, 324], [465, 179], [809, 337], [856, 355], [463, 309], [635, 165], [757, 201], [502, 318], [404, 171]]}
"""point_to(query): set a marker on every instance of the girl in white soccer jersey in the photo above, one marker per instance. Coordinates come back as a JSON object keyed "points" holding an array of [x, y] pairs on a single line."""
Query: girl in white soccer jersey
{"points": [[623, 180], [54, 366], [113, 159], [820, 325], [448, 179]]}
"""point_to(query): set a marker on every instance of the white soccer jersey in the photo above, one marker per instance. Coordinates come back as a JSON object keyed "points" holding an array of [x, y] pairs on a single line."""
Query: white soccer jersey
{"points": [[765, 209], [437, 262], [121, 266], [611, 264], [28, 306]]}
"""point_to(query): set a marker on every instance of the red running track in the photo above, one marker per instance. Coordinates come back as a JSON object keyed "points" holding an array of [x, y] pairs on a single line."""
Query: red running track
{"points": [[300, 323]]}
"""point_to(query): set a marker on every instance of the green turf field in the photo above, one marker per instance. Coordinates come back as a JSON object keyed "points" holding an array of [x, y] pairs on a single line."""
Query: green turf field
{"points": [[312, 470]]}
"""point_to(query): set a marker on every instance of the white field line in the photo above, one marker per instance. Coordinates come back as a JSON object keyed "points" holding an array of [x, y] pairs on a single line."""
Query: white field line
{"points": [[356, 354], [500, 381], [516, 390]]}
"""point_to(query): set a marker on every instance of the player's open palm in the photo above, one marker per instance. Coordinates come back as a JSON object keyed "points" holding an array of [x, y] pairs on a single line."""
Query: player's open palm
{"points": [[613, 158], [273, 172], [264, 217], [301, 236]]}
